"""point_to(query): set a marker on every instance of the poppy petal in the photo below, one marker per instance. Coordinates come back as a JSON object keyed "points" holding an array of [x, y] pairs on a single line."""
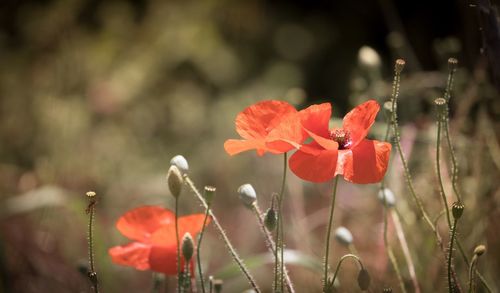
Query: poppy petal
{"points": [[163, 259], [287, 135], [319, 167], [139, 223], [165, 236], [360, 119], [134, 254], [315, 118], [236, 146], [326, 143], [365, 163], [256, 121]]}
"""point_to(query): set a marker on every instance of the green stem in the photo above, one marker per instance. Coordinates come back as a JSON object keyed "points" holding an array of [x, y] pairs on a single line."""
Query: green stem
{"points": [[472, 277], [451, 286], [279, 250], [438, 167], [178, 259], [328, 234], [198, 248], [92, 273], [342, 260], [222, 233]]}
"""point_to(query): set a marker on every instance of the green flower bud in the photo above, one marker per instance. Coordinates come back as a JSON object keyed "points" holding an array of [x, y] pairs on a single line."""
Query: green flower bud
{"points": [[247, 194], [270, 219], [175, 181], [386, 197], [343, 236], [363, 279], [180, 162], [187, 246], [457, 210]]}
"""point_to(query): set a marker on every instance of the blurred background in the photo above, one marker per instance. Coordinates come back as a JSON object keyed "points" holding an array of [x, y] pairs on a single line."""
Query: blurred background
{"points": [[99, 95]]}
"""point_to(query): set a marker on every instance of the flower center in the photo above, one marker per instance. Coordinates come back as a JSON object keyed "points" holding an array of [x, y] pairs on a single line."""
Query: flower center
{"points": [[342, 137]]}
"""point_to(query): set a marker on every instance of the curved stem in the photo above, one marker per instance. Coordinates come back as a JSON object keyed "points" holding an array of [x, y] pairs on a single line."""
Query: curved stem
{"points": [[222, 233], [270, 243], [342, 260], [438, 170], [328, 233], [198, 248], [178, 259]]}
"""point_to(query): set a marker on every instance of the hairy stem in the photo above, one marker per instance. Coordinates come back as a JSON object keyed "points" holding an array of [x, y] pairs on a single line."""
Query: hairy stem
{"points": [[178, 259], [438, 168], [222, 233], [92, 274], [452, 286], [390, 252], [270, 243]]}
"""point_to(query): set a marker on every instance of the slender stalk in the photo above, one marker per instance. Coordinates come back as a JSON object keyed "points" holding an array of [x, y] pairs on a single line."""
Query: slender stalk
{"points": [[406, 250], [178, 259], [198, 248], [222, 233], [451, 285], [390, 251], [328, 234], [270, 243], [279, 260], [394, 122], [91, 211], [342, 260], [441, 103], [472, 275]]}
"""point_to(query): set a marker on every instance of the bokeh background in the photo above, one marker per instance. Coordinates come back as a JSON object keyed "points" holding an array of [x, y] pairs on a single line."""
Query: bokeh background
{"points": [[99, 95]]}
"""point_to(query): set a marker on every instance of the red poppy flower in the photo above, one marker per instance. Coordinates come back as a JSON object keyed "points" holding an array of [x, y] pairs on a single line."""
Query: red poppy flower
{"points": [[267, 126], [341, 151], [155, 245]]}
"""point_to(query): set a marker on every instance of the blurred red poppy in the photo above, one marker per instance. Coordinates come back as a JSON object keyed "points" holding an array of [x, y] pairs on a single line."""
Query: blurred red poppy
{"points": [[267, 126], [153, 230], [341, 151]]}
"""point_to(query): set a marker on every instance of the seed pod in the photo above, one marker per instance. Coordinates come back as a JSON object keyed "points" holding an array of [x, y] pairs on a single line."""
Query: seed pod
{"points": [[175, 181], [187, 246], [398, 67], [180, 162], [247, 194], [343, 236], [209, 194], [457, 210], [270, 219], [363, 279]]}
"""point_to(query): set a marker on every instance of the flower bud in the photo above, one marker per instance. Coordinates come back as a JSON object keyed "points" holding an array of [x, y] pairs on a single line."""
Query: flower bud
{"points": [[479, 250], [209, 194], [180, 162], [386, 197], [363, 279], [343, 236], [187, 246], [387, 290], [175, 181], [457, 210], [270, 219], [247, 194], [367, 56]]}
